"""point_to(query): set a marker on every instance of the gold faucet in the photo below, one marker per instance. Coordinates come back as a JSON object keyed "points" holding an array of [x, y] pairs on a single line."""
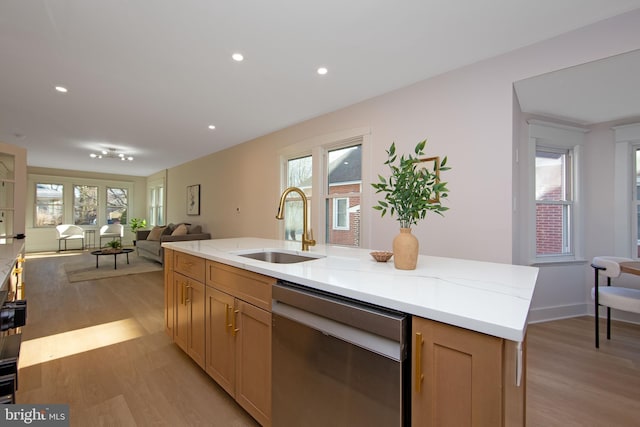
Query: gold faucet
{"points": [[307, 235]]}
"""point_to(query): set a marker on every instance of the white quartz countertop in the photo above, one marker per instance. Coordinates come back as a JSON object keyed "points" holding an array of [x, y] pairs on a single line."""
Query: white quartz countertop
{"points": [[486, 297]]}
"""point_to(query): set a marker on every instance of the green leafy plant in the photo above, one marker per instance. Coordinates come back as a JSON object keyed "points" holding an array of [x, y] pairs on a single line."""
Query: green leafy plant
{"points": [[137, 224], [411, 190], [114, 244]]}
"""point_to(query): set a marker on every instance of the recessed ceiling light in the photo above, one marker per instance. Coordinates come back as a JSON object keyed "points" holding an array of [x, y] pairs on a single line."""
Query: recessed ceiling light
{"points": [[322, 71], [212, 127], [61, 89], [237, 57]]}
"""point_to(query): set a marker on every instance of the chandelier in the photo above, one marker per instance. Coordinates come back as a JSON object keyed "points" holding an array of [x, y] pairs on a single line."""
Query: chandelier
{"points": [[111, 153]]}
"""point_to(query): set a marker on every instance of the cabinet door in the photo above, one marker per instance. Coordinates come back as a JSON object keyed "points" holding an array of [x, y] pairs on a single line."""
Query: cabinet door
{"points": [[169, 293], [181, 311], [253, 361], [220, 340], [196, 335], [456, 376]]}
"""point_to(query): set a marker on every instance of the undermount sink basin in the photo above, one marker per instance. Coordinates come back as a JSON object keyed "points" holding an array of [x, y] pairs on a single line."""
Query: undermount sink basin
{"points": [[278, 257]]}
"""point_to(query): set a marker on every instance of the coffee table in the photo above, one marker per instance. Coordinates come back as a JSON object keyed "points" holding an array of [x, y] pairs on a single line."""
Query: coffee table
{"points": [[115, 256]]}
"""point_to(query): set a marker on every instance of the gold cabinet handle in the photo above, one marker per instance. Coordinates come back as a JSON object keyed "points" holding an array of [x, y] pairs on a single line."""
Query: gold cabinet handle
{"points": [[234, 330], [189, 291], [418, 358], [184, 298], [228, 324]]}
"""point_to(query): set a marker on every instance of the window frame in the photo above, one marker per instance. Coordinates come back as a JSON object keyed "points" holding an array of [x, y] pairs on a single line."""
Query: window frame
{"points": [[73, 203], [107, 206], [36, 204], [567, 202], [318, 148], [550, 136], [155, 202], [68, 184], [336, 213]]}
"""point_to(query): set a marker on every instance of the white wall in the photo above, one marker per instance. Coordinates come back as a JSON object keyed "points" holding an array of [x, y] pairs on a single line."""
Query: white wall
{"points": [[467, 114]]}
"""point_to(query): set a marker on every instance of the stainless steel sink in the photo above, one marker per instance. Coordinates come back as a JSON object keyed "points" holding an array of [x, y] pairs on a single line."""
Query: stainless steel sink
{"points": [[278, 257]]}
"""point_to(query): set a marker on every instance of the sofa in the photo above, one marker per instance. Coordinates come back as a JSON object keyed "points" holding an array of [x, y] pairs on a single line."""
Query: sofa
{"points": [[149, 242]]}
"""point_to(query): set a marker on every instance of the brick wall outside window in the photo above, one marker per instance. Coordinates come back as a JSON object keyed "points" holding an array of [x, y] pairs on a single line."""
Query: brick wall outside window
{"points": [[549, 225]]}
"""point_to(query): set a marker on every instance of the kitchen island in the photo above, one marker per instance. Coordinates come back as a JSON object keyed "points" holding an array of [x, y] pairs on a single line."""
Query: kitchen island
{"points": [[446, 297]]}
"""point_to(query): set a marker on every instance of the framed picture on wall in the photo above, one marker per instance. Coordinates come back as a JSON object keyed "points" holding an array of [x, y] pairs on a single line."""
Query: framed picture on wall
{"points": [[432, 165], [193, 199]]}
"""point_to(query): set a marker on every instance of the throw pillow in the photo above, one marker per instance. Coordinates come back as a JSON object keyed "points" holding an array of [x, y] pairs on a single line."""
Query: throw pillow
{"points": [[155, 233], [180, 230]]}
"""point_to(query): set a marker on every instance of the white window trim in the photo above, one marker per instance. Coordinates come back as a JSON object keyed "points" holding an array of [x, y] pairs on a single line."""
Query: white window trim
{"points": [[335, 214], [626, 137], [68, 183], [158, 205], [318, 147], [549, 135]]}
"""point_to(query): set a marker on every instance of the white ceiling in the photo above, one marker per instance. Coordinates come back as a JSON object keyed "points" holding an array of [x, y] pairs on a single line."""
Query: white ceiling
{"points": [[148, 76], [597, 92]]}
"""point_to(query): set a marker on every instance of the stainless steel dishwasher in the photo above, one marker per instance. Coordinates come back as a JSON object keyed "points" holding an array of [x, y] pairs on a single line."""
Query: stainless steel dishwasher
{"points": [[336, 361]]}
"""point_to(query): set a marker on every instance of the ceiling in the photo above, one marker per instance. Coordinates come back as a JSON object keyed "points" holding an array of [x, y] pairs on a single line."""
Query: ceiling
{"points": [[596, 92], [148, 77]]}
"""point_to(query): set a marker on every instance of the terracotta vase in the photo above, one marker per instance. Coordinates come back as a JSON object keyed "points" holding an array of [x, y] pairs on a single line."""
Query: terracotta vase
{"points": [[405, 250]]}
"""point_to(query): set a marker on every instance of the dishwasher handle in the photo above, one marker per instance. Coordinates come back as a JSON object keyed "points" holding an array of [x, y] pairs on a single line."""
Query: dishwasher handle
{"points": [[376, 320], [358, 337]]}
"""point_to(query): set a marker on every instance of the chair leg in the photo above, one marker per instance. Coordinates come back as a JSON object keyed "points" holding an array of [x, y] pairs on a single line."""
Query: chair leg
{"points": [[608, 314], [597, 305]]}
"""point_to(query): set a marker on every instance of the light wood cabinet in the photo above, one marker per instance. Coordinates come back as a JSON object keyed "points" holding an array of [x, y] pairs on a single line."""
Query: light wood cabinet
{"points": [[189, 330], [189, 305], [238, 337], [464, 378], [253, 361], [220, 340]]}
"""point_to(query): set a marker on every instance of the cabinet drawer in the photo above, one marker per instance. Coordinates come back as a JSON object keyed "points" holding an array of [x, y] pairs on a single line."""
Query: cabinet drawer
{"points": [[189, 265], [251, 287]]}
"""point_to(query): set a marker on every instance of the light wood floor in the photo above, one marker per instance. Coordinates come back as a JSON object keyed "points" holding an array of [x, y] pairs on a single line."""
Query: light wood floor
{"points": [[99, 346], [571, 383]]}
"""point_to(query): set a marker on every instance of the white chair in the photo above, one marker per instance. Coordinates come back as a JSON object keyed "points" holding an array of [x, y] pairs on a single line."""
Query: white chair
{"points": [[67, 232], [111, 232], [620, 298]]}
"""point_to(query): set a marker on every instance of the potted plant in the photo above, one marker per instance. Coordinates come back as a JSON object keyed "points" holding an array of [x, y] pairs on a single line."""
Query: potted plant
{"points": [[412, 190], [112, 247], [137, 224]]}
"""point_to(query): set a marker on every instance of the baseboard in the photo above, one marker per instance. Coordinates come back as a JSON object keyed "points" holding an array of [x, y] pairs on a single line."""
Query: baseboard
{"points": [[559, 312], [575, 310]]}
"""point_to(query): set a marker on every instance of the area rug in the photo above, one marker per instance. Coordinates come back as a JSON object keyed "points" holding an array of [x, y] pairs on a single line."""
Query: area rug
{"points": [[86, 270]]}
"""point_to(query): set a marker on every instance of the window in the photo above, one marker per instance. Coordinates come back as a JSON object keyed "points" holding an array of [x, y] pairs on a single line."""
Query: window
{"points": [[117, 205], [334, 201], [156, 205], [340, 214], [344, 183], [299, 174], [554, 202], [626, 215], [49, 205], [85, 204], [636, 201], [555, 214]]}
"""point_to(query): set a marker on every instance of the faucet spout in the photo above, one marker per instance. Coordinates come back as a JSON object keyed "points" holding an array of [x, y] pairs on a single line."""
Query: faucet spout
{"points": [[307, 235]]}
